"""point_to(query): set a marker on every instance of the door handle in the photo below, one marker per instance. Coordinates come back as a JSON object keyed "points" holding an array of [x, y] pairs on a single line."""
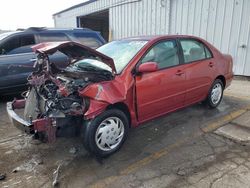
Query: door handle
{"points": [[179, 73], [211, 64]]}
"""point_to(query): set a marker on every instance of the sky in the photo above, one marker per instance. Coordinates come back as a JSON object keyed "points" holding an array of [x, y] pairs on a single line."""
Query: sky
{"points": [[31, 13]]}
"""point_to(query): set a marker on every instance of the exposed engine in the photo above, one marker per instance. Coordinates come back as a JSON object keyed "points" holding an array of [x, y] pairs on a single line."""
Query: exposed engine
{"points": [[52, 100], [54, 92], [63, 98], [56, 98]]}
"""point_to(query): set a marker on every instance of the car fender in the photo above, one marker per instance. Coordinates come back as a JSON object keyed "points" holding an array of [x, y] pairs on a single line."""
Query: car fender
{"points": [[106, 93], [95, 108]]}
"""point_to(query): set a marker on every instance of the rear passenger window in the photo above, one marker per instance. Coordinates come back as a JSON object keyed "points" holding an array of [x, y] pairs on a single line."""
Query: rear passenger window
{"points": [[87, 41], [52, 37], [164, 54], [194, 50]]}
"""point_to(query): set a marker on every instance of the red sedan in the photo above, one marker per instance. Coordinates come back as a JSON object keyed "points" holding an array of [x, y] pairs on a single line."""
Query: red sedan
{"points": [[120, 85]]}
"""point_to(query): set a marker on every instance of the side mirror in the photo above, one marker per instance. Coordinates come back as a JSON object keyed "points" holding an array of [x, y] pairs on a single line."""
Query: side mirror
{"points": [[148, 67]]}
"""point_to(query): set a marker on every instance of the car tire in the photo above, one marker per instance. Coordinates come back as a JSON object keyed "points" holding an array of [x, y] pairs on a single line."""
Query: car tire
{"points": [[105, 134], [215, 94]]}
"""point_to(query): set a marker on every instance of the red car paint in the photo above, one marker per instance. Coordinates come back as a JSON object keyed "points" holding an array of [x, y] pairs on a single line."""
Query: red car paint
{"points": [[46, 125], [143, 96], [153, 94]]}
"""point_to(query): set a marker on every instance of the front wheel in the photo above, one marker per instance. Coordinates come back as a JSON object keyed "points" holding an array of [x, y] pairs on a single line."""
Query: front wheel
{"points": [[215, 94], [106, 133]]}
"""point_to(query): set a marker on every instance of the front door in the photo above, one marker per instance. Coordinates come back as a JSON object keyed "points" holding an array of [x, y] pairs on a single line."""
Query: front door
{"points": [[161, 91], [16, 60]]}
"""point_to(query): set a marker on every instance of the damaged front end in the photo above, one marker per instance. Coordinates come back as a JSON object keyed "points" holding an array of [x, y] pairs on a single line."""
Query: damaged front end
{"points": [[54, 101]]}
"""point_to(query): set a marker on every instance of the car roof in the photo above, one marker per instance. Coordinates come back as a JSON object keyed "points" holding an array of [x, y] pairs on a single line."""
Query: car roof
{"points": [[47, 30], [158, 37]]}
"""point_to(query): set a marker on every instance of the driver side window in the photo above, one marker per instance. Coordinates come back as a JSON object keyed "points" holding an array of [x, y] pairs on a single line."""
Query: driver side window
{"points": [[165, 54], [18, 44]]}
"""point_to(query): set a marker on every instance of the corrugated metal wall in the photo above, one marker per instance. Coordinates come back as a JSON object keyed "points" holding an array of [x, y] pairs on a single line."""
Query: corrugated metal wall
{"points": [[68, 18], [224, 23], [127, 17], [140, 17]]}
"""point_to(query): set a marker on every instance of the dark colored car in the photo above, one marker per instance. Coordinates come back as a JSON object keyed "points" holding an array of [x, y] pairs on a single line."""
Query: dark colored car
{"points": [[120, 85], [17, 57]]}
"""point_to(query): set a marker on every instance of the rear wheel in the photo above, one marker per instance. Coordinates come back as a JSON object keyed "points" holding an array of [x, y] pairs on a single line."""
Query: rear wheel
{"points": [[215, 94], [106, 133]]}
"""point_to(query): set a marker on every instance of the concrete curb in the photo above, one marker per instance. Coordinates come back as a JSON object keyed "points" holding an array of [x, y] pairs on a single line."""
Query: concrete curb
{"points": [[238, 127]]}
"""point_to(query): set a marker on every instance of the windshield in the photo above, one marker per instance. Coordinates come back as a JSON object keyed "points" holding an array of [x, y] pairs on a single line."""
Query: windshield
{"points": [[122, 51], [4, 35]]}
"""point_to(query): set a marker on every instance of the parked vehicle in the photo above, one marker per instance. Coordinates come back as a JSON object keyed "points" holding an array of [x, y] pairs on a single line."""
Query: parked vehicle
{"points": [[17, 57], [120, 85]]}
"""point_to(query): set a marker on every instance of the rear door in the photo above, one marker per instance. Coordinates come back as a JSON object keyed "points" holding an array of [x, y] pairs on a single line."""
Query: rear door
{"points": [[164, 90], [16, 60], [199, 69]]}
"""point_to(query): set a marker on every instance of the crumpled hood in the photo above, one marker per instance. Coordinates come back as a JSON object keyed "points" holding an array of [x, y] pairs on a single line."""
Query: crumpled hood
{"points": [[73, 50]]}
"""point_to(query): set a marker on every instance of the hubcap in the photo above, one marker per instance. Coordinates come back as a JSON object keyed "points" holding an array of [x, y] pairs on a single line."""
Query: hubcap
{"points": [[109, 133], [216, 93]]}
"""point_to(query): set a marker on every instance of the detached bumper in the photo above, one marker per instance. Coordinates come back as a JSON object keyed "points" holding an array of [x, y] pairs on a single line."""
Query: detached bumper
{"points": [[45, 126], [17, 121]]}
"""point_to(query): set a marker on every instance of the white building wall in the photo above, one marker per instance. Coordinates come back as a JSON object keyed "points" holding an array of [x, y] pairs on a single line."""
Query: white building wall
{"points": [[143, 17], [68, 18], [127, 17], [224, 23]]}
